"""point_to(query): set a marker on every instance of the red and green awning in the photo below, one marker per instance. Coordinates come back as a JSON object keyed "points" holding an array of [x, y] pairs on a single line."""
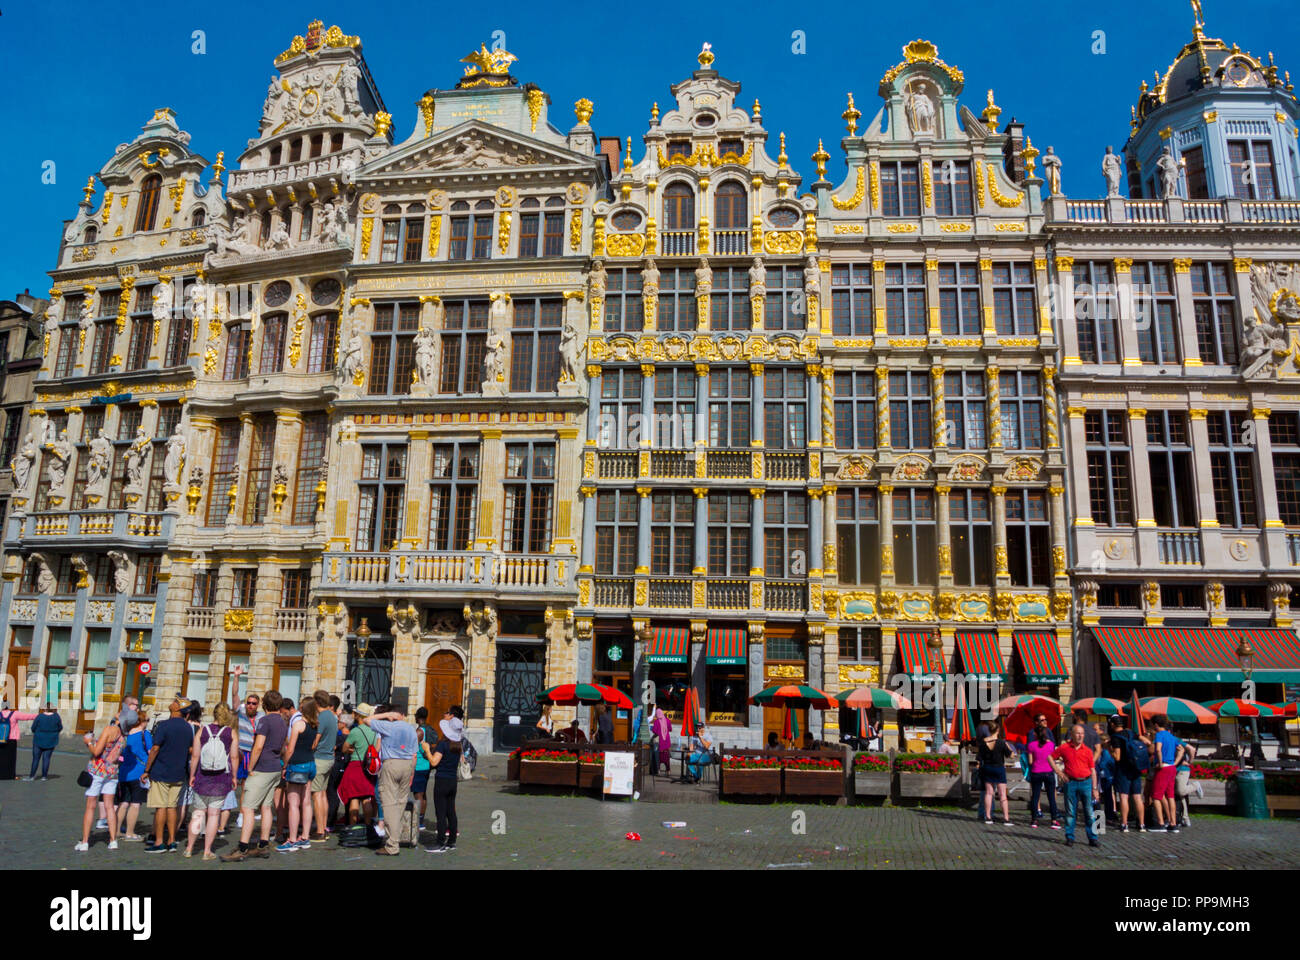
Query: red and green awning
{"points": [[1198, 654], [1040, 656], [725, 646], [668, 645], [980, 654], [916, 656]]}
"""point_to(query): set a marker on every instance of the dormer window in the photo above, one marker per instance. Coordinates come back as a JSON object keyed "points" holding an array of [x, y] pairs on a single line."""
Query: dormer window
{"points": [[1251, 163], [733, 146], [1198, 185], [199, 217], [91, 235], [148, 210], [679, 207], [679, 148], [403, 237]]}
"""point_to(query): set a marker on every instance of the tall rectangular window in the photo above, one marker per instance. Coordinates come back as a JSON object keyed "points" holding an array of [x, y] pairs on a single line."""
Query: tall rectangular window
{"points": [[101, 349], [857, 535], [971, 530], [623, 309], [238, 341], [179, 330], [141, 342], [785, 535], [909, 410], [1022, 409], [620, 401], [67, 352], [959, 299], [324, 342], [616, 532], [1013, 299], [851, 291], [672, 533], [729, 299], [965, 410], [392, 348], [13, 424], [905, 313], [1198, 185], [855, 410], [311, 470], [243, 587], [464, 346], [1216, 313], [952, 189], [1028, 538], [553, 228], [677, 310], [261, 453], [730, 516], [1232, 467], [784, 307], [453, 496], [1173, 483], [146, 575], [900, 191], [530, 220], [535, 345], [1284, 437], [729, 407], [381, 496], [915, 552], [295, 586], [274, 327], [225, 472], [1252, 168], [785, 408], [1096, 312], [674, 408], [1156, 308], [530, 497], [1109, 468]]}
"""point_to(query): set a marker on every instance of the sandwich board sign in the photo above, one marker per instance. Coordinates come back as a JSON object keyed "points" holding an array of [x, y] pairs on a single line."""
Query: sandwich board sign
{"points": [[618, 773]]}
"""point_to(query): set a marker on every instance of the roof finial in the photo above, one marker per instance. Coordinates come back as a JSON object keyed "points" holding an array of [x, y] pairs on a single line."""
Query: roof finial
{"points": [[820, 158], [706, 56], [627, 157], [1198, 20], [758, 110], [88, 189], [851, 116], [782, 158], [991, 114]]}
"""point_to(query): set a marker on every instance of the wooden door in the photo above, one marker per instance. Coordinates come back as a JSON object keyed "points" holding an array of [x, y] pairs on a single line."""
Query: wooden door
{"points": [[443, 684], [17, 670], [774, 722], [622, 716]]}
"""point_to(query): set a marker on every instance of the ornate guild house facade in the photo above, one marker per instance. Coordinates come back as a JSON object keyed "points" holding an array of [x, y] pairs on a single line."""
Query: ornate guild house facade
{"points": [[458, 402]]}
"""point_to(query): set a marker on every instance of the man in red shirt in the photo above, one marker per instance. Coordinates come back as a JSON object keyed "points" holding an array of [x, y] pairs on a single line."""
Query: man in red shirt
{"points": [[1075, 762]]}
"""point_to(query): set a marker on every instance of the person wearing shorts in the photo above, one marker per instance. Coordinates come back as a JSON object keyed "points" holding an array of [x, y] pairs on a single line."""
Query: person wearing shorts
{"points": [[1128, 783], [1164, 783], [994, 752], [265, 770], [327, 724], [166, 771], [105, 752], [131, 793]]}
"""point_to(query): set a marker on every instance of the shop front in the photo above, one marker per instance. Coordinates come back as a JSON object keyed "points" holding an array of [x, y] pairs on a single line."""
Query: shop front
{"points": [[785, 662]]}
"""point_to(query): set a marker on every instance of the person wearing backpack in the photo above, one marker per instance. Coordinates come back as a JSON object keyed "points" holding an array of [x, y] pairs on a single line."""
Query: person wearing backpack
{"points": [[397, 747], [10, 730], [212, 775], [1132, 761], [357, 788], [100, 780], [423, 761]]}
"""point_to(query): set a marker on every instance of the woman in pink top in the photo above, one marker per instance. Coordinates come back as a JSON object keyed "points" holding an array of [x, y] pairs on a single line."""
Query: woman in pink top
{"points": [[1041, 775]]}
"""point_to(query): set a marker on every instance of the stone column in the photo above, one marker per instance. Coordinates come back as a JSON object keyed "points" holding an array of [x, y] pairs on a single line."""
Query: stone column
{"points": [[1042, 283], [1274, 529], [756, 533], [566, 485], [944, 524], [288, 440], [756, 433], [1085, 533], [1057, 513], [1212, 548], [236, 505], [882, 407], [405, 622], [492, 454], [815, 524], [701, 418], [755, 672], [1067, 330], [1186, 307], [830, 567], [878, 296], [198, 453], [84, 336], [701, 532], [938, 409], [886, 533], [1127, 321], [1143, 503], [990, 330], [932, 293], [418, 467], [1001, 571], [992, 388], [587, 558]]}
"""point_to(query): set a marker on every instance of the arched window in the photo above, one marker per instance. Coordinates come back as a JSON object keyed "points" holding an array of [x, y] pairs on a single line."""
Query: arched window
{"points": [[92, 234], [729, 211], [148, 210], [199, 217], [679, 207]]}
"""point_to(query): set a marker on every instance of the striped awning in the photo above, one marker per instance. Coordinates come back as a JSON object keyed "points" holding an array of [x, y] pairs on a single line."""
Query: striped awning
{"points": [[979, 653], [1202, 654], [917, 658], [1040, 656], [668, 645], [725, 646]]}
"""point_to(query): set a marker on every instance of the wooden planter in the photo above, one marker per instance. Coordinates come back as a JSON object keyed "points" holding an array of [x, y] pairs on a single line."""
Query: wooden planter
{"points": [[1218, 793], [591, 776], [760, 783], [933, 786], [512, 767], [1287, 803], [814, 783], [872, 783], [549, 773]]}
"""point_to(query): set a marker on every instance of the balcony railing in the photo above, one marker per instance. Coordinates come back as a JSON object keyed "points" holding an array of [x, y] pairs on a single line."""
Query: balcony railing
{"points": [[786, 466], [1144, 211], [1203, 211], [1271, 211], [730, 243], [617, 466], [727, 594], [613, 592], [1175, 210], [728, 465], [200, 618], [97, 523], [1293, 548], [290, 621], [460, 569], [677, 243], [672, 464], [670, 593], [785, 595], [1179, 547]]}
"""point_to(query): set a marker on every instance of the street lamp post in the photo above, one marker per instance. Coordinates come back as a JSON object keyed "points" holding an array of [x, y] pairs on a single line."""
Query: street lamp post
{"points": [[1246, 654], [936, 647], [643, 735], [363, 647]]}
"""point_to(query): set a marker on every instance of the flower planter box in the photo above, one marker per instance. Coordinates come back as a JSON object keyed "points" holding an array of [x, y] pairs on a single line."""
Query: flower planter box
{"points": [[549, 773], [814, 783], [1218, 793], [1283, 802], [591, 776], [872, 783], [917, 786], [512, 767], [760, 783]]}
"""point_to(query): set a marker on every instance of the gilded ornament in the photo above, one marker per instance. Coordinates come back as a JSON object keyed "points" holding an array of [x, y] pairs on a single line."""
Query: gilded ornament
{"points": [[582, 109], [367, 228], [979, 186], [858, 193], [503, 230], [851, 115], [435, 234], [426, 111], [575, 229], [998, 197], [623, 244], [927, 185], [383, 123], [875, 185], [782, 243]]}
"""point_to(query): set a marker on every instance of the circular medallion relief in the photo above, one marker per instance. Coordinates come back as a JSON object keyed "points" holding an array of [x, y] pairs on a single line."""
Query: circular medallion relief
{"points": [[1239, 549], [309, 103], [577, 193], [277, 293], [326, 292], [1115, 549]]}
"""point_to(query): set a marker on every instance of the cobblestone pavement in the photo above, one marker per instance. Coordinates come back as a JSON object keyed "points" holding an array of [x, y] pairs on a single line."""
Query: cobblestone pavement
{"points": [[40, 822]]}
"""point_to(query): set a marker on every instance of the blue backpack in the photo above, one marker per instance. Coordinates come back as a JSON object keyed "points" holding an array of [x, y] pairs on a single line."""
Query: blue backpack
{"points": [[1135, 756], [4, 724]]}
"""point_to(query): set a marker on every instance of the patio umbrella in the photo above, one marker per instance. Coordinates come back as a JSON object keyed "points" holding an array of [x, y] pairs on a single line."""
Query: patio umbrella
{"points": [[790, 731], [862, 723], [688, 728], [1287, 710], [1020, 712], [795, 695], [877, 697], [1176, 709], [1103, 706], [1134, 710], [614, 696], [572, 695], [1238, 707], [962, 728]]}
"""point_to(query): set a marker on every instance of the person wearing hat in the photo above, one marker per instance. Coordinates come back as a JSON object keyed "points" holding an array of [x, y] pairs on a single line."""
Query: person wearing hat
{"points": [[398, 741], [357, 788], [446, 765], [573, 733]]}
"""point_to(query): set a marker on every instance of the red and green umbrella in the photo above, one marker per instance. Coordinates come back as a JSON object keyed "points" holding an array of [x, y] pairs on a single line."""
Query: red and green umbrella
{"points": [[1020, 711], [1102, 706], [862, 723], [797, 696], [790, 732], [1176, 709], [1134, 710], [1238, 707], [1287, 710], [877, 697], [573, 694], [689, 725], [614, 696], [962, 728]]}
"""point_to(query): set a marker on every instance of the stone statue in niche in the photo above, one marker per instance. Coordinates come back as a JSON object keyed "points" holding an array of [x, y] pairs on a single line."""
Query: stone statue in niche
{"points": [[425, 355], [920, 110], [279, 238], [99, 465], [349, 88], [164, 297], [1052, 167], [1111, 170], [87, 316], [21, 465], [350, 362], [44, 575], [135, 455], [121, 571], [757, 278], [175, 456], [569, 351], [60, 453], [597, 278], [494, 363], [1167, 170]]}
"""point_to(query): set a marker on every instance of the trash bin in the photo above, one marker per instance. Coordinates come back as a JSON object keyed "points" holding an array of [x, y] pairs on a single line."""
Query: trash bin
{"points": [[1250, 795]]}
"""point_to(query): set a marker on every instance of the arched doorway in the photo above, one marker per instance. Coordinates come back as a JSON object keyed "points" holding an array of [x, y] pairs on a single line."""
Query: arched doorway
{"points": [[443, 683]]}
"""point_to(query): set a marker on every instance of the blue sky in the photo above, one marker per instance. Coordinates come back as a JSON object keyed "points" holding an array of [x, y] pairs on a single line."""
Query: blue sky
{"points": [[83, 77]]}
